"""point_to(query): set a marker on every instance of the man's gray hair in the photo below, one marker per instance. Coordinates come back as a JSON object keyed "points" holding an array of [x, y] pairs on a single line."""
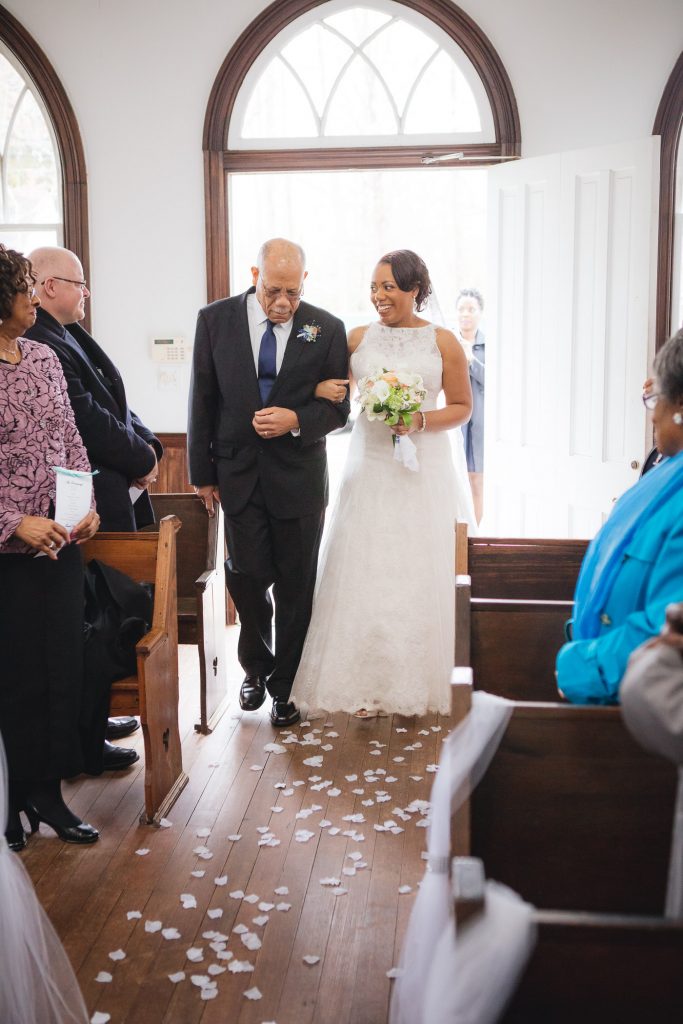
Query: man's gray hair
{"points": [[279, 243], [669, 368]]}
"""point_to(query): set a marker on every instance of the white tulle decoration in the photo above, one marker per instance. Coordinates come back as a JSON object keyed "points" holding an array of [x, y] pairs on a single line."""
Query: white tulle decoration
{"points": [[464, 758], [472, 978], [37, 982]]}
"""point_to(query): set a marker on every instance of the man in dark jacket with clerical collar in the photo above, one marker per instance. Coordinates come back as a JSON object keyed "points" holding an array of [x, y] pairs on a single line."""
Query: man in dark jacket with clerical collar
{"points": [[120, 447]]}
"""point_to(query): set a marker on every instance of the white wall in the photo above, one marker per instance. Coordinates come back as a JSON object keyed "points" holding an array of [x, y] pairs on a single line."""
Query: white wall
{"points": [[139, 73]]}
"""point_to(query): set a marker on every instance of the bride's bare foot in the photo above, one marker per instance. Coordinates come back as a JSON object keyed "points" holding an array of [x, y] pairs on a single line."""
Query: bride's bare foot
{"points": [[365, 713]]}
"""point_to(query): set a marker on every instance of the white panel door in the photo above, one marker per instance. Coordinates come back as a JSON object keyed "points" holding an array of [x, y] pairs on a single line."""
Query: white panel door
{"points": [[569, 337]]}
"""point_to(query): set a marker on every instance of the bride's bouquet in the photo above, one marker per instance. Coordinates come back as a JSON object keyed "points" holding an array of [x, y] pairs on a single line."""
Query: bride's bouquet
{"points": [[394, 396]]}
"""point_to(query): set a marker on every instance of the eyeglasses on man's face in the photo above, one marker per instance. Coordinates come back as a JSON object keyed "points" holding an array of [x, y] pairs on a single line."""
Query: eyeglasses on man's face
{"points": [[650, 399], [293, 294], [69, 280]]}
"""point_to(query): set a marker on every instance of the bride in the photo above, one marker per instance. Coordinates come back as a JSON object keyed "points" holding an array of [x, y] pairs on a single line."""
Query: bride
{"points": [[382, 631]]}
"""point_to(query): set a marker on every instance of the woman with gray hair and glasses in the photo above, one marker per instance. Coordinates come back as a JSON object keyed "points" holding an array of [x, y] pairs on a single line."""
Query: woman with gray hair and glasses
{"points": [[634, 567]]}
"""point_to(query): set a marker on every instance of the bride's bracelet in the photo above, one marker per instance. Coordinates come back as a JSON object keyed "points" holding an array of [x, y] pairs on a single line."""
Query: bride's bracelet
{"points": [[424, 422]]}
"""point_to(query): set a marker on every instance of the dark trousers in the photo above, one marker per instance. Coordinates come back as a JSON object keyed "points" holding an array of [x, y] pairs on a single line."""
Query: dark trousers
{"points": [[265, 552], [41, 640]]}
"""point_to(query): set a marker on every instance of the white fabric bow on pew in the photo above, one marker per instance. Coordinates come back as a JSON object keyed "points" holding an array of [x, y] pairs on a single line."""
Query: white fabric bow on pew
{"points": [[464, 758], [472, 977]]}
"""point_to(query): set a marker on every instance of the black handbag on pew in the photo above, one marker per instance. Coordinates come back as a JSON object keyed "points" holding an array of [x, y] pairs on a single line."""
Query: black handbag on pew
{"points": [[118, 613]]}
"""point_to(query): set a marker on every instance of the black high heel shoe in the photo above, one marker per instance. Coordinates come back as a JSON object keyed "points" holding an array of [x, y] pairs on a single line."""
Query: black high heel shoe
{"points": [[14, 833], [44, 802], [81, 833]]}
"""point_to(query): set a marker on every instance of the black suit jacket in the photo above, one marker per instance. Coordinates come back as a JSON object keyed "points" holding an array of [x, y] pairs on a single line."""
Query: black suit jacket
{"points": [[116, 440], [224, 396]]}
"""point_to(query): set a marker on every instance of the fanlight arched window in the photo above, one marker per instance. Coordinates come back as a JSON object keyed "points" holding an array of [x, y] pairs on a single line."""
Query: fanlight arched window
{"points": [[43, 181], [30, 175], [338, 85], [359, 75]]}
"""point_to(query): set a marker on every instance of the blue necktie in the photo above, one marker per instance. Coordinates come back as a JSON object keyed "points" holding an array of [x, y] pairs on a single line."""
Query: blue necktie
{"points": [[266, 362]]}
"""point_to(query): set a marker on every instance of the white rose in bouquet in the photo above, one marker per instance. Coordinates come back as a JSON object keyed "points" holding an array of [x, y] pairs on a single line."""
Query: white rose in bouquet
{"points": [[380, 391]]}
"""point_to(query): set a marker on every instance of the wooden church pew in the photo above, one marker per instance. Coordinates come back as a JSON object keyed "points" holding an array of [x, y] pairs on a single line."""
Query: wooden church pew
{"points": [[589, 967], [572, 813], [201, 596], [537, 569], [511, 645], [601, 967], [152, 693], [511, 606]]}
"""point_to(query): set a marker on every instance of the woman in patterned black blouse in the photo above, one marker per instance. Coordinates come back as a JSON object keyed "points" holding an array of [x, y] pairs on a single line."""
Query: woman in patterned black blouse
{"points": [[41, 617]]}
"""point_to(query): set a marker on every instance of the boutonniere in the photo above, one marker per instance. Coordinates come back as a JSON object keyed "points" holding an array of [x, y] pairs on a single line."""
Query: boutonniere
{"points": [[309, 333]]}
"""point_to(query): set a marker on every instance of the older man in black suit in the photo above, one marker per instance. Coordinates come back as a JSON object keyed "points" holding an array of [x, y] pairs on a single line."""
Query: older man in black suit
{"points": [[120, 447], [256, 442]]}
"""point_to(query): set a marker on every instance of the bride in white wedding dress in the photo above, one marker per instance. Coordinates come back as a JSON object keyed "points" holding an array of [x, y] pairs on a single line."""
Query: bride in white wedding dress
{"points": [[382, 631]]}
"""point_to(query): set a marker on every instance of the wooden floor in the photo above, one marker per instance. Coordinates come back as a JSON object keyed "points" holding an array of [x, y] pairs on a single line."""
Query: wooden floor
{"points": [[233, 791]]}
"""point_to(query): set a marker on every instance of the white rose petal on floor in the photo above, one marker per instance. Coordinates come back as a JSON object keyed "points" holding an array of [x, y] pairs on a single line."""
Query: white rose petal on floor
{"points": [[240, 967]]}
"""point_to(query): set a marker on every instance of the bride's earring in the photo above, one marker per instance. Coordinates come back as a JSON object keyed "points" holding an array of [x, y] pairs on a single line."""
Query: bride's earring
{"points": [[677, 418]]}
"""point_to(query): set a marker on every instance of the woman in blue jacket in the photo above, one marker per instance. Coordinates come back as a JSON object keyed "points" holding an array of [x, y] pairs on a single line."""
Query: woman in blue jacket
{"points": [[634, 566]]}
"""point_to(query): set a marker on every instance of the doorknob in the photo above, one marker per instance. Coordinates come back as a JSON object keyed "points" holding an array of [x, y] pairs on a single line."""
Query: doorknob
{"points": [[635, 464]]}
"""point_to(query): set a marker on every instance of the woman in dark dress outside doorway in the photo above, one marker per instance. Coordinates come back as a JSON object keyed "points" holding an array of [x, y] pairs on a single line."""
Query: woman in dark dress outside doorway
{"points": [[470, 306]]}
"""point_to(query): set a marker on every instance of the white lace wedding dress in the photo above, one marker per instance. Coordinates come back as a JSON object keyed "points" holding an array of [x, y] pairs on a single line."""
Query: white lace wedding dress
{"points": [[382, 631]]}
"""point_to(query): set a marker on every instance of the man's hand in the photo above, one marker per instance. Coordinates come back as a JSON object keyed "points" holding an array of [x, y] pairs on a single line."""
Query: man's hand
{"points": [[209, 495], [42, 534], [275, 422], [143, 482], [672, 630]]}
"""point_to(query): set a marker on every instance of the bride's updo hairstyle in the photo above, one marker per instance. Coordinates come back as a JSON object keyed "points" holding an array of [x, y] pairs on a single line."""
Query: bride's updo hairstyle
{"points": [[410, 272]]}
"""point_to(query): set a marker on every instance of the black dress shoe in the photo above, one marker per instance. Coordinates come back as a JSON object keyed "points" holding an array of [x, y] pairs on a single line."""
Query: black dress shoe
{"points": [[118, 728], [116, 758], [252, 693], [80, 832], [283, 712]]}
